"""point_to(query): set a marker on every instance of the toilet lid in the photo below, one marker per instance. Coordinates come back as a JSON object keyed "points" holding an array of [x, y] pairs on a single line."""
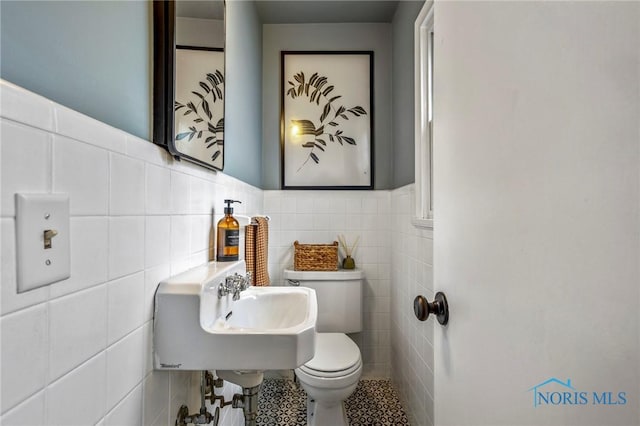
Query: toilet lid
{"points": [[334, 352]]}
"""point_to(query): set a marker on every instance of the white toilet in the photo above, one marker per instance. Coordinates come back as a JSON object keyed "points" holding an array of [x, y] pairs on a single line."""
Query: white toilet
{"points": [[333, 373]]}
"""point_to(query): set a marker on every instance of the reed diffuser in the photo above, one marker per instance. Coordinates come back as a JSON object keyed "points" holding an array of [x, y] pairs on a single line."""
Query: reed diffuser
{"points": [[348, 262]]}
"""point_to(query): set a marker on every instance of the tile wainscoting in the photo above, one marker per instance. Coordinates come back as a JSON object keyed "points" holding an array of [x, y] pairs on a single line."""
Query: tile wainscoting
{"points": [[411, 340], [314, 217], [137, 217], [79, 351]]}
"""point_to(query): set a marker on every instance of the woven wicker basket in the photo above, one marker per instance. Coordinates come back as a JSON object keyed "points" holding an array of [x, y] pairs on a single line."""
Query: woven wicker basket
{"points": [[315, 257]]}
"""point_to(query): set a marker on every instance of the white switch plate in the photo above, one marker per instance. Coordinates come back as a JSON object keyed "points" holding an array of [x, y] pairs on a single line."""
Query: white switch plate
{"points": [[37, 265]]}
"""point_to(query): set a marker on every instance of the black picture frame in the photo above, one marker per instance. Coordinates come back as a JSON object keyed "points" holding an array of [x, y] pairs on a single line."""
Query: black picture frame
{"points": [[327, 120]]}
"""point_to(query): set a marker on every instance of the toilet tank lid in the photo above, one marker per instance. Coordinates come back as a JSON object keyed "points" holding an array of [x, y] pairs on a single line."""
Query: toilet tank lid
{"points": [[339, 275]]}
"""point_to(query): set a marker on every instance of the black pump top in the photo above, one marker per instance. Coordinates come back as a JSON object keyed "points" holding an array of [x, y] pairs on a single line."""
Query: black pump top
{"points": [[229, 209]]}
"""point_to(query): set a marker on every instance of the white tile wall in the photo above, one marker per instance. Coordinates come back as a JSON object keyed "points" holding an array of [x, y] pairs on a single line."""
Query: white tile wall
{"points": [[318, 217], [88, 260], [11, 301], [77, 329], [124, 373], [78, 352], [411, 340], [82, 171], [127, 412], [139, 217], [78, 398], [127, 185], [28, 413], [158, 199], [126, 245], [24, 340], [157, 233], [26, 162], [125, 301]]}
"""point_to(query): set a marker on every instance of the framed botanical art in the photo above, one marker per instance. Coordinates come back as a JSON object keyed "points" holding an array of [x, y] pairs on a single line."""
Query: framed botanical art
{"points": [[199, 105], [326, 120]]}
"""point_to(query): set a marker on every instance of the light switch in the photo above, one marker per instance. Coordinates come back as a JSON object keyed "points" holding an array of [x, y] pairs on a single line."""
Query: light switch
{"points": [[43, 240]]}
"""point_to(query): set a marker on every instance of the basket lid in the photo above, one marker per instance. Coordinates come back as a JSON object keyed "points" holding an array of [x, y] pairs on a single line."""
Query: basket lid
{"points": [[335, 243]]}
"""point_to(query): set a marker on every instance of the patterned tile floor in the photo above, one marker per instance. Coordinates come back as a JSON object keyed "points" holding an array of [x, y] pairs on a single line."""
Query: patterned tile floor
{"points": [[374, 403]]}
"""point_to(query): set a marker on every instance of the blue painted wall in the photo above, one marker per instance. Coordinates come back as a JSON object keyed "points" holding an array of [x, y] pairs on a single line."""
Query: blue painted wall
{"points": [[91, 56], [355, 36], [403, 92], [243, 93], [96, 57]]}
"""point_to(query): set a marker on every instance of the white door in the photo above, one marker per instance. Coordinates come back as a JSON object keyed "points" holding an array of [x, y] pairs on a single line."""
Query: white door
{"points": [[537, 136]]}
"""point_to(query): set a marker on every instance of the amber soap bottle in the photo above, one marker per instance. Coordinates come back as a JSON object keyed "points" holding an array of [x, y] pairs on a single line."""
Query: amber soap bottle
{"points": [[228, 235]]}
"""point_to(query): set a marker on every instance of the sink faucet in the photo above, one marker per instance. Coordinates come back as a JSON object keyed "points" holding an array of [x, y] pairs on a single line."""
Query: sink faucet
{"points": [[240, 283], [235, 284]]}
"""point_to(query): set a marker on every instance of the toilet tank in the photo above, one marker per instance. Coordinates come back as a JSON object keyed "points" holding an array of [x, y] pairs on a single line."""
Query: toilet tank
{"points": [[339, 295]]}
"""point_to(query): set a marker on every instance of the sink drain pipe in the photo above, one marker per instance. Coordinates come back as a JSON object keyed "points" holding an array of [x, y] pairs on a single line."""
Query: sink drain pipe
{"points": [[248, 401]]}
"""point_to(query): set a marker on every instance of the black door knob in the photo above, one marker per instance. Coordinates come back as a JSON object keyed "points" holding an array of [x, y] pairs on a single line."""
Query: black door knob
{"points": [[439, 307]]}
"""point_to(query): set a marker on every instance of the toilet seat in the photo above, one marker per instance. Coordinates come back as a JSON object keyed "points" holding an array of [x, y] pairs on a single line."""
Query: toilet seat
{"points": [[335, 352], [337, 359], [330, 374]]}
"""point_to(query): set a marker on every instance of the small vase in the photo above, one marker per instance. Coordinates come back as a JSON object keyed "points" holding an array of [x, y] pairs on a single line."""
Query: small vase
{"points": [[348, 263]]}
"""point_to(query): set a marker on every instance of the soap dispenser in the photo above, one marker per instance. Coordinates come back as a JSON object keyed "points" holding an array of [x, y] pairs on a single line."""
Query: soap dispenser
{"points": [[228, 235]]}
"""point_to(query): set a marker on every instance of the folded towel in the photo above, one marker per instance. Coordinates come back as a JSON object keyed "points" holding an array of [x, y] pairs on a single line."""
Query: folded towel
{"points": [[257, 250]]}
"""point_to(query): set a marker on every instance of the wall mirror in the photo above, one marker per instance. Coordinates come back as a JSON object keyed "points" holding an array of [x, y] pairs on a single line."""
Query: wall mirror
{"points": [[189, 80]]}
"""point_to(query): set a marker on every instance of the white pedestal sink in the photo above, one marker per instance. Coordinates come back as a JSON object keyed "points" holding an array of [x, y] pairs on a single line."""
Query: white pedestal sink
{"points": [[267, 328]]}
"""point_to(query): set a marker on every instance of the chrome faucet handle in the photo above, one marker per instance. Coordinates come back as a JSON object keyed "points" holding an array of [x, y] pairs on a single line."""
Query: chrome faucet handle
{"points": [[223, 290], [230, 280], [238, 281], [244, 282], [229, 285], [236, 285]]}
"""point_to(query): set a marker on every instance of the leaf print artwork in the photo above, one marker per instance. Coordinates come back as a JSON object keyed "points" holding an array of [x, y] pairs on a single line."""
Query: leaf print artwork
{"points": [[318, 91], [199, 105], [326, 119], [205, 127]]}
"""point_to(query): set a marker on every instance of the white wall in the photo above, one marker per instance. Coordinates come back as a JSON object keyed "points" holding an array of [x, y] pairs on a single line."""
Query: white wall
{"points": [[314, 217], [537, 188], [200, 32], [411, 340], [79, 351]]}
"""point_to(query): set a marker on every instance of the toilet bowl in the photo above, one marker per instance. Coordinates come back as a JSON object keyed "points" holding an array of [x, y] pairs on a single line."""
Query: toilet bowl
{"points": [[332, 375], [330, 378]]}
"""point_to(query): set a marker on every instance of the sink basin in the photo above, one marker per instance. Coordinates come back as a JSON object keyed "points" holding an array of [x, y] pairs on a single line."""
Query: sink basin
{"points": [[268, 328], [264, 310]]}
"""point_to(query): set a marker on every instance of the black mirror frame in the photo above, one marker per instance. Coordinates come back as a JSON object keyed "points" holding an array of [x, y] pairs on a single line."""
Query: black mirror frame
{"points": [[163, 78], [164, 48]]}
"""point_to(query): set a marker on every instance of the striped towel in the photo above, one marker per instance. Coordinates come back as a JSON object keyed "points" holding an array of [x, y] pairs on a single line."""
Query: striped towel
{"points": [[256, 250]]}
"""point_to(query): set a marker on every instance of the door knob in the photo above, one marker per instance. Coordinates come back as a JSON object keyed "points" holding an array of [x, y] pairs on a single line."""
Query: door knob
{"points": [[439, 307]]}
